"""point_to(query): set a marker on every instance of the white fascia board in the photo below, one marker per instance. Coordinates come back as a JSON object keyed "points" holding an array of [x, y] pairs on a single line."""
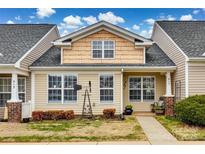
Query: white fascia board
{"points": [[17, 64], [125, 68], [197, 59], [62, 44], [143, 43], [99, 24]]}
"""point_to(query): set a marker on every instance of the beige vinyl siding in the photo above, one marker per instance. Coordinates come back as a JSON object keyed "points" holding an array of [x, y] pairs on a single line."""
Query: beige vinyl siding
{"points": [[125, 51], [160, 88], [40, 49], [196, 78], [2, 109], [41, 92], [166, 44]]}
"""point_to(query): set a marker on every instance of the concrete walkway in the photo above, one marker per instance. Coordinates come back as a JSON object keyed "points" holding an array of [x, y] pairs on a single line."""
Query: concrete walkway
{"points": [[155, 132]]}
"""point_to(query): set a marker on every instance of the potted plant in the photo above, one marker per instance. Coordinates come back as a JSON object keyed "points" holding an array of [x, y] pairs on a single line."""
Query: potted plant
{"points": [[128, 109], [152, 107], [159, 110]]}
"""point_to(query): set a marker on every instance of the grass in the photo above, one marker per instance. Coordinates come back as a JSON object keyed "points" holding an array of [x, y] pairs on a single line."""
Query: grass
{"points": [[64, 125], [182, 131], [76, 130]]}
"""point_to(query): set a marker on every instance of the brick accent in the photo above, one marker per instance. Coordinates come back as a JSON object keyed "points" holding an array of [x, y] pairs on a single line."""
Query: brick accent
{"points": [[169, 105], [14, 111]]}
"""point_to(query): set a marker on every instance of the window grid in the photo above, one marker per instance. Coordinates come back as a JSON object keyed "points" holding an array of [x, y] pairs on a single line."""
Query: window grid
{"points": [[5, 89], [106, 88], [103, 49], [64, 93], [144, 91]]}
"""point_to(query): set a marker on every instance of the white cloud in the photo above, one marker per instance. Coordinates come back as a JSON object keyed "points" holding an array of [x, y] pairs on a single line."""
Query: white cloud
{"points": [[150, 21], [65, 32], [147, 33], [136, 27], [10, 22], [127, 28], [186, 17], [111, 17], [18, 18], [44, 12], [196, 11], [168, 17], [72, 22], [29, 21], [90, 20], [31, 17]]}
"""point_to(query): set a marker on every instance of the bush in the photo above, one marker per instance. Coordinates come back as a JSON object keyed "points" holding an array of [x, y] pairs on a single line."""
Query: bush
{"points": [[109, 113], [191, 110], [69, 114], [53, 115], [37, 115]]}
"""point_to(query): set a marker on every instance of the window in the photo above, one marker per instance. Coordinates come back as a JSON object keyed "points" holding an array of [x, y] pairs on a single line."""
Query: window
{"points": [[106, 88], [69, 93], [135, 88], [103, 49], [5, 89], [141, 88], [97, 49], [61, 88], [54, 88]]}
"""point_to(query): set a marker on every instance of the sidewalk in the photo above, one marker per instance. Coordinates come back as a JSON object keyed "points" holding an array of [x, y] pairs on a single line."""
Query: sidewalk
{"points": [[155, 132]]}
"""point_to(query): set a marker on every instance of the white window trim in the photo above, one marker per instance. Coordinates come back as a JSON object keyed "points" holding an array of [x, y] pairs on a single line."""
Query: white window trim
{"points": [[18, 92], [107, 74], [62, 88], [103, 56], [142, 100]]}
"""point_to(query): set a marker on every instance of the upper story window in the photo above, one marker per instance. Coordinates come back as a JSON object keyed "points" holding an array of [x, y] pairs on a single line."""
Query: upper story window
{"points": [[103, 49]]}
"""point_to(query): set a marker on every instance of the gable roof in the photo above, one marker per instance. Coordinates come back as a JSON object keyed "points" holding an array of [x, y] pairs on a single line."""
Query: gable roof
{"points": [[17, 39], [154, 57], [101, 25], [188, 35]]}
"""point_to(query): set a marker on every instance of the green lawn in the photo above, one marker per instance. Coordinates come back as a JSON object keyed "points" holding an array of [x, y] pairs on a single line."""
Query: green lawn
{"points": [[73, 130], [182, 131]]}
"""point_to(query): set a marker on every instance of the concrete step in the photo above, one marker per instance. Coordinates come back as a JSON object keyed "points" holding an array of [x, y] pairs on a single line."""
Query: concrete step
{"points": [[144, 113]]}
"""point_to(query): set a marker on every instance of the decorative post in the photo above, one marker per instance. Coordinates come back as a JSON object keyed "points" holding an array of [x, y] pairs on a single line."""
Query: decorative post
{"points": [[169, 98], [14, 104]]}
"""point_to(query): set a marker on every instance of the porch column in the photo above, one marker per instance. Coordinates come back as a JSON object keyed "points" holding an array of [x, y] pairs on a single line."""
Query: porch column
{"points": [[14, 88], [14, 104], [168, 84], [168, 97]]}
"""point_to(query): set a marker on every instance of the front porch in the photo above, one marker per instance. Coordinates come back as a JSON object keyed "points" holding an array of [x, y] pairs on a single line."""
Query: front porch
{"points": [[140, 89], [14, 87]]}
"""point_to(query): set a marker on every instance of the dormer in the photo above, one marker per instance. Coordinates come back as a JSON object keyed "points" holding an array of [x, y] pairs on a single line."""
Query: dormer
{"points": [[103, 42]]}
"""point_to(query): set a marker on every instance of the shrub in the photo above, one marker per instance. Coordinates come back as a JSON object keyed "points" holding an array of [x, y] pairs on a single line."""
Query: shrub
{"points": [[109, 113], [69, 114], [37, 115], [53, 115], [191, 110]]}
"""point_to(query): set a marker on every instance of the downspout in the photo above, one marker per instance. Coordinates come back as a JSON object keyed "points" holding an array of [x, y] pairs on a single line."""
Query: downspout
{"points": [[122, 70]]}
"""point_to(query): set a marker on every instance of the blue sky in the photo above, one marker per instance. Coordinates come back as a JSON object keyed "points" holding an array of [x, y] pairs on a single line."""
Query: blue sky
{"points": [[137, 20]]}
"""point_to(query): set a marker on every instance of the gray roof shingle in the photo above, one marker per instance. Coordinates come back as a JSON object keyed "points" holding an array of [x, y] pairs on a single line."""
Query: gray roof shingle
{"points": [[17, 39], [188, 35], [154, 57]]}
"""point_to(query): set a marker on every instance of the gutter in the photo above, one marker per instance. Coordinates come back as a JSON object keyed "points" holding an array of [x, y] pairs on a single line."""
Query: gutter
{"points": [[126, 68], [197, 59]]}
